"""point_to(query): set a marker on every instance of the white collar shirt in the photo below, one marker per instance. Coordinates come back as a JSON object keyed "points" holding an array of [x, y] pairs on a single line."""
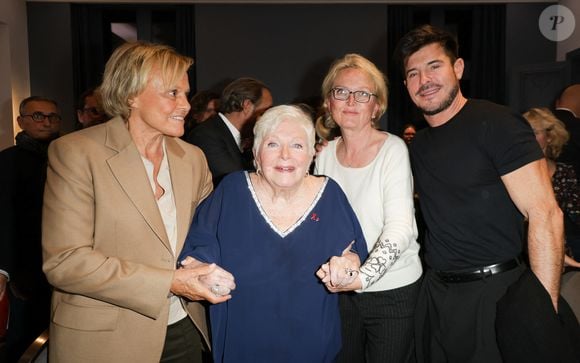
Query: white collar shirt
{"points": [[168, 211]]}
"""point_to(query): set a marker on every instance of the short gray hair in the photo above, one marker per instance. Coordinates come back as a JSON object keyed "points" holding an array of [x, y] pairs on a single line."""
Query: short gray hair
{"points": [[275, 115]]}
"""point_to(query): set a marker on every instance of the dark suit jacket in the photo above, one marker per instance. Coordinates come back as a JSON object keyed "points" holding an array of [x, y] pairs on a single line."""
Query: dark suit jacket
{"points": [[21, 188], [571, 151], [220, 148]]}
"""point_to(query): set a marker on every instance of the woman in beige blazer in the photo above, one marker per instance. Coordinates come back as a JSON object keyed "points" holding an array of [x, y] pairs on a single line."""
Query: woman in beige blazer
{"points": [[119, 199]]}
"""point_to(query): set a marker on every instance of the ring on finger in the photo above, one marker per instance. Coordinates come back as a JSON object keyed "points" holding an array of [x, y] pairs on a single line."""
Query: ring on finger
{"points": [[215, 289], [350, 272]]}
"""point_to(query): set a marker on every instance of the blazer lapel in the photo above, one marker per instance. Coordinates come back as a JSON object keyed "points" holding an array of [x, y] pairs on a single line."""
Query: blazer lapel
{"points": [[245, 157], [129, 171], [225, 132], [181, 182]]}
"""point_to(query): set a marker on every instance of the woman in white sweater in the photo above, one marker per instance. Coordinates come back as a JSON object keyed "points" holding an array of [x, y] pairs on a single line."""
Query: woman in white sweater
{"points": [[373, 169]]}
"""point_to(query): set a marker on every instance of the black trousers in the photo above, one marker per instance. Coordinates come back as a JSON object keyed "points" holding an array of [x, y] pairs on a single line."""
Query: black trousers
{"points": [[183, 343], [529, 329], [455, 322], [378, 326]]}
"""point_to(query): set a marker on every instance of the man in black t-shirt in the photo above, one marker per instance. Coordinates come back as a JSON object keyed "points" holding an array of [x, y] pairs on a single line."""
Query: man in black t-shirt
{"points": [[479, 174]]}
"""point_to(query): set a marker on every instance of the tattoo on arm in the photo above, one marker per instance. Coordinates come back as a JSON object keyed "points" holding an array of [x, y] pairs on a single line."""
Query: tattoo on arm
{"points": [[382, 257]]}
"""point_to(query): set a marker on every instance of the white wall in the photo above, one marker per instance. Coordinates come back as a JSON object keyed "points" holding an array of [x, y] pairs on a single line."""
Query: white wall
{"points": [[573, 42], [14, 71]]}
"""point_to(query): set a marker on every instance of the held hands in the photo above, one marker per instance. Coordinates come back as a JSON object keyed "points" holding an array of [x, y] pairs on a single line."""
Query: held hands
{"points": [[202, 281], [220, 282], [340, 273]]}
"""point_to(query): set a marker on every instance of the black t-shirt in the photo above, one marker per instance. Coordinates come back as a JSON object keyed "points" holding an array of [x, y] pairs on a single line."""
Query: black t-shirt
{"points": [[471, 220]]}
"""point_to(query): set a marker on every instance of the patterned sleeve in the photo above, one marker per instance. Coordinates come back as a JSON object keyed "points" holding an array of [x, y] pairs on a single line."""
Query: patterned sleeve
{"points": [[399, 229], [567, 192]]}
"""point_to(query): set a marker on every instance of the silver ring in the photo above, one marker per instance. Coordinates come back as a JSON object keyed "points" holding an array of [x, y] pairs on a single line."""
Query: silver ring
{"points": [[350, 272], [215, 289]]}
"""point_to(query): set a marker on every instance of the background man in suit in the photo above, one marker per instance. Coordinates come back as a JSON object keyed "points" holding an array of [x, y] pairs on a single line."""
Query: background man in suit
{"points": [[22, 176], [222, 137], [567, 110]]}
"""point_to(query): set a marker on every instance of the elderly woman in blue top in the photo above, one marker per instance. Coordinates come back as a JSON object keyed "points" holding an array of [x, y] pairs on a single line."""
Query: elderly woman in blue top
{"points": [[272, 230]]}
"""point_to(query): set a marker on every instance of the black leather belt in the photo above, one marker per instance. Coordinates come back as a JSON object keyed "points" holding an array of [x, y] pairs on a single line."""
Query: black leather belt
{"points": [[478, 273]]}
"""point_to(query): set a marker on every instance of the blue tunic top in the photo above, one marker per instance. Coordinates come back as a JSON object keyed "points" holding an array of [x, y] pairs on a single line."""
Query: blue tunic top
{"points": [[279, 311]]}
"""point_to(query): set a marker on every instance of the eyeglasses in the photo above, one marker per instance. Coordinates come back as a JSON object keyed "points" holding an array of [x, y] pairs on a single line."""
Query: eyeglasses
{"points": [[40, 117], [342, 94], [93, 111]]}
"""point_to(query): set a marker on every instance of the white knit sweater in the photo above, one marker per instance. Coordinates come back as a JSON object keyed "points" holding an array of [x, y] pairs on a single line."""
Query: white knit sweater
{"points": [[381, 194]]}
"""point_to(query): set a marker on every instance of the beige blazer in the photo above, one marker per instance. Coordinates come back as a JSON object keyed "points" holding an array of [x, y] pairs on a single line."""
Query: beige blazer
{"points": [[105, 248]]}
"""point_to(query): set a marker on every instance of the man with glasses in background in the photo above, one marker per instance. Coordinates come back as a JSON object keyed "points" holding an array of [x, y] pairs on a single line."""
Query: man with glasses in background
{"points": [[22, 177], [89, 110]]}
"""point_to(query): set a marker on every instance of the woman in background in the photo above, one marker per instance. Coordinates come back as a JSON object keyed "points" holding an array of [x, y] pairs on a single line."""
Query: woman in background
{"points": [[552, 135], [204, 104]]}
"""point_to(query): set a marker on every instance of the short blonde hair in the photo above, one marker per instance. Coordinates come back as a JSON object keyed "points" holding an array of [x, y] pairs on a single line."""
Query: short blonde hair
{"points": [[274, 116], [356, 61], [542, 119], [127, 73]]}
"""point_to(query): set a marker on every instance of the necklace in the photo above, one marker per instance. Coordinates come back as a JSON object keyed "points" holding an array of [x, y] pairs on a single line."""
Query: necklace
{"points": [[352, 161], [362, 156]]}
